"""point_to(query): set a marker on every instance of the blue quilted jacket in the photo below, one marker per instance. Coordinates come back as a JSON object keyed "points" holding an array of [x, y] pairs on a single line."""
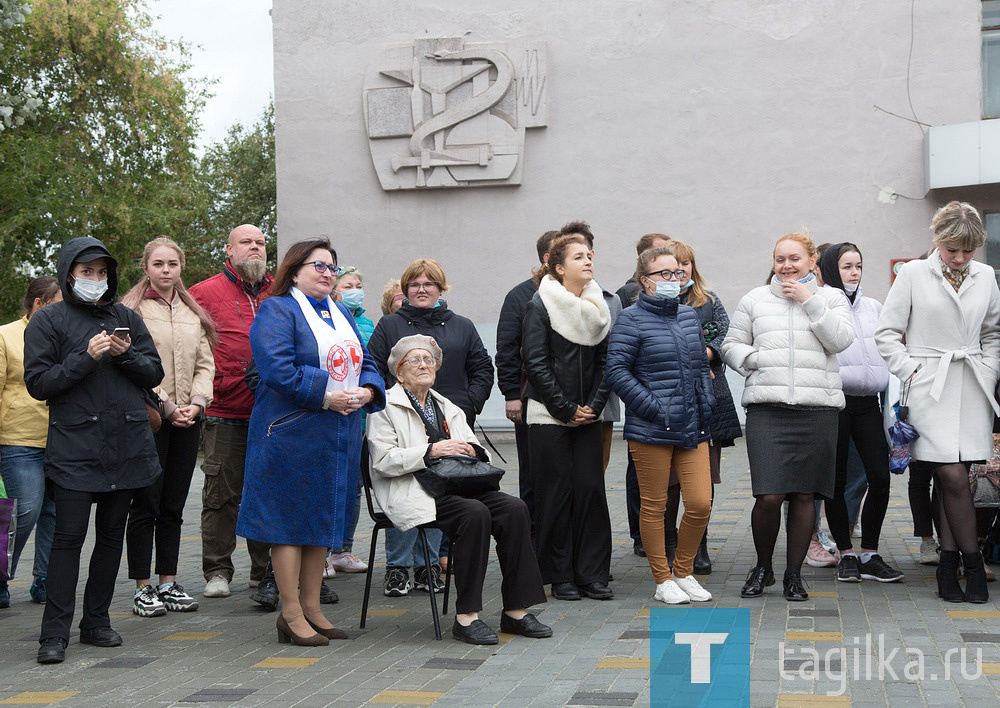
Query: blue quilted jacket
{"points": [[658, 366]]}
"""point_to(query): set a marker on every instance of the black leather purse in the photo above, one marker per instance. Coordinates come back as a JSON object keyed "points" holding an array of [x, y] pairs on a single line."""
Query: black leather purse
{"points": [[460, 475]]}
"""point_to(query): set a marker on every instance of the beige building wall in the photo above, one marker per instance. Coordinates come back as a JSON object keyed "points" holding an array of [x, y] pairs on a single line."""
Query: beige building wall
{"points": [[725, 123]]}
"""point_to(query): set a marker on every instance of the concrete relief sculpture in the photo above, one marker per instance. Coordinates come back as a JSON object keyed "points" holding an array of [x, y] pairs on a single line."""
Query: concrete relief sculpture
{"points": [[443, 113]]}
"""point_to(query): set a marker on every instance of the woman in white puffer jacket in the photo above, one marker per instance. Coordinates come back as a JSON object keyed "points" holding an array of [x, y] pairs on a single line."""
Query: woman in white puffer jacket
{"points": [[865, 375], [784, 337]]}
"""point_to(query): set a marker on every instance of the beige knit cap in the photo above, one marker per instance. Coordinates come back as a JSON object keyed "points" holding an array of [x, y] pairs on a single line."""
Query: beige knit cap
{"points": [[407, 344]]}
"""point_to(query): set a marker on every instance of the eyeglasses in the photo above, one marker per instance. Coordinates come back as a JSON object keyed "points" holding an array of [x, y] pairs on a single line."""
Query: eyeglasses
{"points": [[322, 267], [669, 274], [416, 361], [421, 286]]}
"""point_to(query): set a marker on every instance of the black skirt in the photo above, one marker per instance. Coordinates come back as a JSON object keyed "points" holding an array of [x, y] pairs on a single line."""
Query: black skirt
{"points": [[792, 450]]}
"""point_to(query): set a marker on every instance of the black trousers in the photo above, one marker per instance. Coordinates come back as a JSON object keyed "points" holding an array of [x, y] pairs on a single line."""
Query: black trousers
{"points": [[861, 420], [157, 511], [72, 522], [572, 524], [918, 487], [470, 522], [525, 490]]}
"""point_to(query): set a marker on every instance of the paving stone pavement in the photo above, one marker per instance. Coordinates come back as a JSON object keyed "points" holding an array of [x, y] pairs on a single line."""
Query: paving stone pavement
{"points": [[226, 654]]}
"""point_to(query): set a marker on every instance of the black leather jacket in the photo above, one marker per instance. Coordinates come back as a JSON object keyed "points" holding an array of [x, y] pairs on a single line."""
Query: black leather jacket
{"points": [[561, 374]]}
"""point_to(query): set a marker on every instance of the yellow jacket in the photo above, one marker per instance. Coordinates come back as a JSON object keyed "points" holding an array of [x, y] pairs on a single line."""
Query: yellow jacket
{"points": [[23, 420], [181, 341]]}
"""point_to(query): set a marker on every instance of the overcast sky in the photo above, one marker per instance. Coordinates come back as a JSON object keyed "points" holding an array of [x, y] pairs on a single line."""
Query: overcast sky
{"points": [[235, 47]]}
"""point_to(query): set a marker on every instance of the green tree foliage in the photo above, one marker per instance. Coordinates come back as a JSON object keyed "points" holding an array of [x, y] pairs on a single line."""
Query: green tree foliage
{"points": [[110, 153], [237, 184]]}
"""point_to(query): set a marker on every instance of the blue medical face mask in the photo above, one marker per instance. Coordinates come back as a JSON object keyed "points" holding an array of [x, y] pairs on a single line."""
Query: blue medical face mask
{"points": [[687, 285], [352, 299], [811, 276], [667, 289]]}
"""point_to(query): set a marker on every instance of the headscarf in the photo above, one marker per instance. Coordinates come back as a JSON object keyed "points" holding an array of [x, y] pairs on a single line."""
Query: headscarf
{"points": [[829, 267]]}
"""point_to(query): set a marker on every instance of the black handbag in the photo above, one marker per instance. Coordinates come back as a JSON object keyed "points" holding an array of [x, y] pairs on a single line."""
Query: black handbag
{"points": [[460, 475]]}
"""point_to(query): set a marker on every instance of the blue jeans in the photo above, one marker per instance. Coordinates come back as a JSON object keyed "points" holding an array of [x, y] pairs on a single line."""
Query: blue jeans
{"points": [[23, 472], [403, 548]]}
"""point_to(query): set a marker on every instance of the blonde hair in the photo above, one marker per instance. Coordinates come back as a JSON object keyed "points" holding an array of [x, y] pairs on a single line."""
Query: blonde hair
{"points": [[389, 294], [423, 266], [959, 225], [698, 294], [135, 296], [648, 256], [803, 239]]}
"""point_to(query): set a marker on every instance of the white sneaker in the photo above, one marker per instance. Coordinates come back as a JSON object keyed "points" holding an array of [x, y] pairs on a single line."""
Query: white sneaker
{"points": [[693, 589], [826, 542], [346, 563], [929, 552], [217, 586], [669, 593], [328, 570]]}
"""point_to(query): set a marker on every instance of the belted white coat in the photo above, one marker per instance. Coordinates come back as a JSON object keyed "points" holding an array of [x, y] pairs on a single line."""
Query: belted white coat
{"points": [[952, 341]]}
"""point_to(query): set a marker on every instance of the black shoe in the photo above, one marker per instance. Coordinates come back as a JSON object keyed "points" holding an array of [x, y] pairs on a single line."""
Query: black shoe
{"points": [[849, 569], [527, 626], [52, 650], [266, 594], [758, 578], [327, 595], [877, 569], [597, 591], [947, 578], [975, 578], [4, 595], [702, 562], [422, 580], [100, 637], [476, 633], [795, 588], [565, 591], [638, 549]]}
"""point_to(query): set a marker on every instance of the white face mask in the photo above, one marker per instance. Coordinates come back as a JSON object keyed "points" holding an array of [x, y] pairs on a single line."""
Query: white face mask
{"points": [[851, 288], [89, 290], [668, 289]]}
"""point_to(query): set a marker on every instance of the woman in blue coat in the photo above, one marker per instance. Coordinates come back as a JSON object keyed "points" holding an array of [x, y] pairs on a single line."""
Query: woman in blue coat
{"points": [[305, 433], [658, 366]]}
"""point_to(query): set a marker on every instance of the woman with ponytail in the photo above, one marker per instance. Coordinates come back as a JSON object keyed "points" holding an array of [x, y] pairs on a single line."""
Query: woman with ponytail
{"points": [[184, 337]]}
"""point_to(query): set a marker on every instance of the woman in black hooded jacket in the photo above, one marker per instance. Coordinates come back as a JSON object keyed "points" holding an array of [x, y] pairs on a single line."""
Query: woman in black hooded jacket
{"points": [[100, 445]]}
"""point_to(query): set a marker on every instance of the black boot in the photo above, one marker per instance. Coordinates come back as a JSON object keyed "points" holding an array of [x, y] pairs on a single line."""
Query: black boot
{"points": [[947, 578], [670, 537], [702, 562], [975, 578], [266, 594]]}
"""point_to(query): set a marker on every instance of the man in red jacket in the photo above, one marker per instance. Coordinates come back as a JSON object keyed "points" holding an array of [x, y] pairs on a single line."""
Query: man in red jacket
{"points": [[231, 298]]}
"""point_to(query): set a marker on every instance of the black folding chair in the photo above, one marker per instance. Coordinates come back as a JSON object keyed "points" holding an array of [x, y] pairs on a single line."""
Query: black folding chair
{"points": [[381, 521]]}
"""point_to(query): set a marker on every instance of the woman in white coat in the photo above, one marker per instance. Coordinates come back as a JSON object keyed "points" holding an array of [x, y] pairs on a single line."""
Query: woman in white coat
{"points": [[939, 331], [400, 445], [784, 337]]}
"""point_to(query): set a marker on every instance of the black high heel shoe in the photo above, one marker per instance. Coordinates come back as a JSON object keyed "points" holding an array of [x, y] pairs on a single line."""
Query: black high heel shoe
{"points": [[975, 578], [286, 635]]}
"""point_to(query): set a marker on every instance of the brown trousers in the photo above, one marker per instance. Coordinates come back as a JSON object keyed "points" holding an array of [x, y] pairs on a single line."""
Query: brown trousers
{"points": [[652, 468], [225, 458]]}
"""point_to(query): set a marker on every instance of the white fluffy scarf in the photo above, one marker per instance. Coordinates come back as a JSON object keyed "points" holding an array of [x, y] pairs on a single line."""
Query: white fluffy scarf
{"points": [[583, 320]]}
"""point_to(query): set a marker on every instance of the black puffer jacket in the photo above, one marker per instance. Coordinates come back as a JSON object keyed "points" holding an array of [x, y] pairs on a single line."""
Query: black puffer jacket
{"points": [[510, 369], [99, 435], [466, 374], [561, 374], [725, 425]]}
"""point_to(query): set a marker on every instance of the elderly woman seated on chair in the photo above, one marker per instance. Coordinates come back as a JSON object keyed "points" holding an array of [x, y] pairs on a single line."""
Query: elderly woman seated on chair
{"points": [[400, 445]]}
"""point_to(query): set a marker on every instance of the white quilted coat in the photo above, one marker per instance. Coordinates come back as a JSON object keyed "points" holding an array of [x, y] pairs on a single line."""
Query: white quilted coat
{"points": [[952, 341], [787, 350]]}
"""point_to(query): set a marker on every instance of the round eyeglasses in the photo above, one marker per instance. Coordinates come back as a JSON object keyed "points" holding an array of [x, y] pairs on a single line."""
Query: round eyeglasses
{"points": [[416, 361]]}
